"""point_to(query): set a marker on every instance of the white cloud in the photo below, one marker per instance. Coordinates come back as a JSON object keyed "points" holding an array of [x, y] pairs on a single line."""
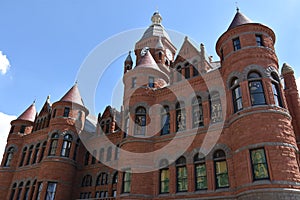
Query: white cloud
{"points": [[4, 63], [4, 130]]}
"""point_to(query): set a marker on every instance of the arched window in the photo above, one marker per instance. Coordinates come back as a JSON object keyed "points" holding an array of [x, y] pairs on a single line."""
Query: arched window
{"points": [[23, 156], [66, 146], [107, 126], [20, 188], [76, 149], [101, 155], [87, 158], [53, 146], [181, 175], [94, 157], [165, 120], [29, 155], [13, 191], [276, 90], [109, 154], [43, 151], [115, 178], [221, 172], [236, 95], [140, 121], [215, 107], [180, 117], [256, 89], [164, 177], [87, 181], [179, 73], [26, 193], [36, 152], [9, 157], [197, 111], [200, 173], [259, 164], [126, 182], [102, 179]]}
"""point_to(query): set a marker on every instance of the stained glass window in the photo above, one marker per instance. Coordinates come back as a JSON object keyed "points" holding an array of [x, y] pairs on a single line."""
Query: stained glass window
{"points": [[259, 164], [197, 112], [200, 173], [215, 107], [164, 180], [181, 175], [180, 117], [221, 172]]}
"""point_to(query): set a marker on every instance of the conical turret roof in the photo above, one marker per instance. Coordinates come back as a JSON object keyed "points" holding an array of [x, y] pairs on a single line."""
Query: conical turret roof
{"points": [[73, 95], [148, 61], [239, 19], [29, 114]]}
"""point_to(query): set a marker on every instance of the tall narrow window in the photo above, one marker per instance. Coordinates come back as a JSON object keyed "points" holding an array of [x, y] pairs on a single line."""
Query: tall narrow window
{"points": [[20, 188], [236, 44], [195, 70], [133, 82], [9, 157], [39, 191], [87, 181], [117, 152], [256, 89], [115, 178], [29, 155], [180, 117], [197, 111], [165, 120], [107, 126], [76, 149], [126, 127], [53, 146], [54, 113], [43, 151], [276, 90], [181, 175], [126, 182], [26, 193], [13, 191], [51, 189], [66, 112], [36, 152], [109, 154], [23, 156], [221, 172], [164, 177], [101, 155], [259, 164], [179, 73], [259, 41], [151, 82], [22, 129], [102, 127], [94, 157], [200, 173], [87, 158], [236, 95], [32, 190], [187, 71], [140, 121], [66, 146], [215, 107]]}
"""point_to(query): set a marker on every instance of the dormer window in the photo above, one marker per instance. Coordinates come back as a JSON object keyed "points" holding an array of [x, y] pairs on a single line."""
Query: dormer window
{"points": [[236, 44]]}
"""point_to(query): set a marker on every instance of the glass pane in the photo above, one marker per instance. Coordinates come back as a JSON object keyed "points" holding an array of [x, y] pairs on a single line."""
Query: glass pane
{"points": [[201, 183], [260, 171], [258, 99], [221, 167], [222, 180], [200, 170], [255, 87], [258, 156]]}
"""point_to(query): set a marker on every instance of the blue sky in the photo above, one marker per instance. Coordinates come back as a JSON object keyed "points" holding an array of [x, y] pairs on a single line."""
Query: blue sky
{"points": [[46, 41]]}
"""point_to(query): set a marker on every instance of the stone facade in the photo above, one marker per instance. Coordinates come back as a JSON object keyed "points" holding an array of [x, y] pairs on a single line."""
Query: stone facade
{"points": [[189, 128]]}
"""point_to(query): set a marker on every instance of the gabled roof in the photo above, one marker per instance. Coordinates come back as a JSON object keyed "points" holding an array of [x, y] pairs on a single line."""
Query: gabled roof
{"points": [[239, 19], [188, 45], [29, 114], [73, 95], [46, 107]]}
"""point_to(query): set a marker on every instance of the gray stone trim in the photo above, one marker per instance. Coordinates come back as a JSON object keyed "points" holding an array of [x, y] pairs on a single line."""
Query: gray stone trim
{"points": [[255, 68], [220, 146], [263, 144]]}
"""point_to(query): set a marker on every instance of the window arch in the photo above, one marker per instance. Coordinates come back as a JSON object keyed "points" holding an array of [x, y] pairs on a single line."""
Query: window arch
{"points": [[87, 181], [9, 156], [200, 172], [236, 95], [197, 111], [23, 156], [36, 152], [13, 191], [140, 121], [276, 89], [66, 146], [256, 89], [181, 175], [221, 171], [180, 117], [164, 177], [115, 178], [29, 155], [26, 193], [53, 145], [165, 120], [215, 107], [20, 188]]}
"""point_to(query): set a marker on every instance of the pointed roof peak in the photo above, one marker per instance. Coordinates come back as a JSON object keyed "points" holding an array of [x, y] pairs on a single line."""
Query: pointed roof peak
{"points": [[239, 19], [147, 61], [73, 95], [29, 114], [128, 58], [159, 44]]}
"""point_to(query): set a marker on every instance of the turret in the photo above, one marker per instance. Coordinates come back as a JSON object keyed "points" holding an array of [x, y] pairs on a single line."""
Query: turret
{"points": [[128, 63]]}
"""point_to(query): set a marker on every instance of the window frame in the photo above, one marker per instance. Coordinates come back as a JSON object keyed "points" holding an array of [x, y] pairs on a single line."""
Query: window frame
{"points": [[197, 109], [236, 44], [66, 146], [220, 159], [255, 78], [180, 116], [259, 40], [265, 163], [200, 162], [181, 164], [165, 120], [126, 182], [236, 100], [66, 112]]}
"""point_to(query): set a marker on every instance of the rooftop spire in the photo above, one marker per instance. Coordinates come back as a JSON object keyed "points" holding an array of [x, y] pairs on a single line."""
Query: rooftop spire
{"points": [[73, 95], [239, 19], [29, 114]]}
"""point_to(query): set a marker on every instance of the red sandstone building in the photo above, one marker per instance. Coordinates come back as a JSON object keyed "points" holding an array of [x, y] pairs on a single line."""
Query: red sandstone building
{"points": [[241, 126]]}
